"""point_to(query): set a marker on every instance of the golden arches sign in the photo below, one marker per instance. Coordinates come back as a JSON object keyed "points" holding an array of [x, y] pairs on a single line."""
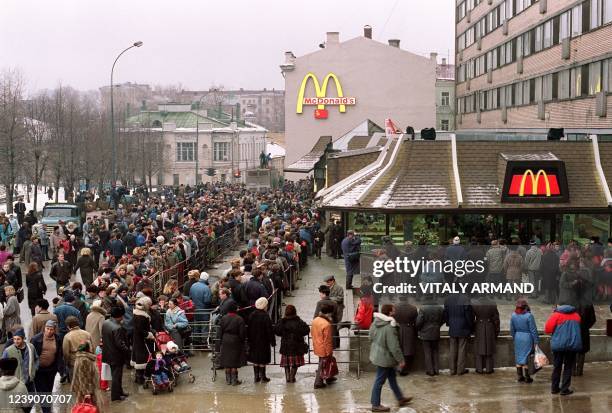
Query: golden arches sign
{"points": [[321, 91], [535, 179]]}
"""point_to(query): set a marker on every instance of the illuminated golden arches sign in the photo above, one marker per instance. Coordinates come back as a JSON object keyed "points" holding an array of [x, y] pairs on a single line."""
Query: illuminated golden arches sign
{"points": [[534, 182], [321, 100]]}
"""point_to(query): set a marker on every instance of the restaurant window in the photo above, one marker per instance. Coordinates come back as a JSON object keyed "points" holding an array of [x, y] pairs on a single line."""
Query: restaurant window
{"points": [[416, 228], [581, 227], [577, 21], [594, 78], [370, 226]]}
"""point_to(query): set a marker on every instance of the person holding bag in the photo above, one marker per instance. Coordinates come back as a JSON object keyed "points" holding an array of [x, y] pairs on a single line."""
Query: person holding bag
{"points": [[525, 335]]}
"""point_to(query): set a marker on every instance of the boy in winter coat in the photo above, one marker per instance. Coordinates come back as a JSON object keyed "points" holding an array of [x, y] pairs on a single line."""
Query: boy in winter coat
{"points": [[564, 328], [386, 354]]}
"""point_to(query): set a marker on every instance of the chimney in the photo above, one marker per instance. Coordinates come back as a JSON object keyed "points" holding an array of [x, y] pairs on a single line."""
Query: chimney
{"points": [[444, 61], [394, 43], [367, 31], [433, 56], [289, 58], [332, 38]]}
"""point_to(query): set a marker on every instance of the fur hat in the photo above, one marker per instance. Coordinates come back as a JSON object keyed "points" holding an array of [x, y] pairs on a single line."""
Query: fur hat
{"points": [[204, 276], [143, 303], [261, 303]]}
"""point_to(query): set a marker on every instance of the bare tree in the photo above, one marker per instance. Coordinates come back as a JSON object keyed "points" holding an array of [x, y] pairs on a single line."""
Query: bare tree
{"points": [[37, 138], [11, 131]]}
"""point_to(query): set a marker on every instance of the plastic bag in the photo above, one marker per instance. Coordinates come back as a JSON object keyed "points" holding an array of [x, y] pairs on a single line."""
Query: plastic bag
{"points": [[540, 360]]}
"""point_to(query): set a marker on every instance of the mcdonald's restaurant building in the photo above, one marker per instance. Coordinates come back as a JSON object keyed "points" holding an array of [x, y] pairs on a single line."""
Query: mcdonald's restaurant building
{"points": [[413, 190], [331, 90]]}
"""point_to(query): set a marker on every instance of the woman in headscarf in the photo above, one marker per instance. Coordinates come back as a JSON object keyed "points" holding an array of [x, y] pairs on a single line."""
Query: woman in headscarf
{"points": [[175, 322], [142, 338], [525, 335], [85, 377]]}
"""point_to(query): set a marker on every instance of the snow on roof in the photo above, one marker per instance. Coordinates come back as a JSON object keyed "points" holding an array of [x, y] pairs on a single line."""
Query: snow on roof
{"points": [[275, 149]]}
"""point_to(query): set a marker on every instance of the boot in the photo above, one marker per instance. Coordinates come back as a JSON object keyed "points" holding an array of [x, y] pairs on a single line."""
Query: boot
{"points": [[528, 378], [262, 372], [256, 374], [519, 372], [235, 381], [293, 373], [228, 377], [288, 374]]}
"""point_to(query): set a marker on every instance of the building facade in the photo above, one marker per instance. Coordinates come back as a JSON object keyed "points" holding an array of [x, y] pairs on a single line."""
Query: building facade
{"points": [[329, 91], [199, 148], [534, 64], [445, 95]]}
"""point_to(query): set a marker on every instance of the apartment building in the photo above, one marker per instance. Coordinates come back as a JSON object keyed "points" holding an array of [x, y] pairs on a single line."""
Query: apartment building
{"points": [[534, 64]]}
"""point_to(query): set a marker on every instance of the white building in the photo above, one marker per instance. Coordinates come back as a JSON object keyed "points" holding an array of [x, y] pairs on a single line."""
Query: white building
{"points": [[193, 141]]}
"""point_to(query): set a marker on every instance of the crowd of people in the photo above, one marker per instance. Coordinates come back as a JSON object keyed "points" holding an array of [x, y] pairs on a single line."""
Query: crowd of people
{"points": [[114, 315]]}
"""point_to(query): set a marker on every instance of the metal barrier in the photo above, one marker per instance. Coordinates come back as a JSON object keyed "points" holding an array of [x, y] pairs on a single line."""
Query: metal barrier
{"points": [[354, 345], [207, 254]]}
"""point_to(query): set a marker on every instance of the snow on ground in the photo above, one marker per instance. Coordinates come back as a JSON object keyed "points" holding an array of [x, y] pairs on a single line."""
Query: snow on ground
{"points": [[42, 198]]}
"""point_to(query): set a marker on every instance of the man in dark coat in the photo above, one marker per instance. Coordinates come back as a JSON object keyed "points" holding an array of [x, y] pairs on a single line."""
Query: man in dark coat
{"points": [[485, 334], [429, 321], [459, 317], [61, 271], [351, 247], [115, 350], [406, 317], [20, 209], [324, 292], [261, 337]]}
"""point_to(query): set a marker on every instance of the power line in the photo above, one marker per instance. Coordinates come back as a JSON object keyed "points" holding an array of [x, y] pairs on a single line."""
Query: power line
{"points": [[389, 17]]}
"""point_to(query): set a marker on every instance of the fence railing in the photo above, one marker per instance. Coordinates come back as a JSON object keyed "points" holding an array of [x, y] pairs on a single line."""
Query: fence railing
{"points": [[206, 255]]}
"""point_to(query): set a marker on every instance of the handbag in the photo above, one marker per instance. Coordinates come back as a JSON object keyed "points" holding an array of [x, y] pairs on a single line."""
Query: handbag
{"points": [[86, 406], [329, 368]]}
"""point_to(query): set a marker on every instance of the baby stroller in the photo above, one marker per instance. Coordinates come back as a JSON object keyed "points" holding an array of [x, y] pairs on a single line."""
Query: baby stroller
{"points": [[176, 361], [163, 377]]}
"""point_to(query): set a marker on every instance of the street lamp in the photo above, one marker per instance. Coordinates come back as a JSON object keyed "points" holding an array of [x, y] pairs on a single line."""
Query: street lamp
{"points": [[112, 110]]}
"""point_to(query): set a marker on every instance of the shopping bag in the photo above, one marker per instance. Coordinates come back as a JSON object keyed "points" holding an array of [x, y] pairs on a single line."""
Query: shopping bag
{"points": [[540, 360], [86, 406], [105, 372], [329, 368]]}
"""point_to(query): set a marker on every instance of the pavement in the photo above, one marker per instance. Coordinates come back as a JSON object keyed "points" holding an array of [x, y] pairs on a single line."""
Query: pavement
{"points": [[498, 393]]}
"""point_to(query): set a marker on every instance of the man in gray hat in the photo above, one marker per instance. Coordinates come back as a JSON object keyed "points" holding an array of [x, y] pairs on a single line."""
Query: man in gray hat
{"points": [[336, 294], [48, 346]]}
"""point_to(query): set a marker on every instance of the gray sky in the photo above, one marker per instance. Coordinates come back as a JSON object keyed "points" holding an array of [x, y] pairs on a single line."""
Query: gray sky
{"points": [[236, 43]]}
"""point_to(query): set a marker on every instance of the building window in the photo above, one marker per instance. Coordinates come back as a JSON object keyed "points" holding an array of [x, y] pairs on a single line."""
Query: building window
{"points": [[564, 84], [526, 92], [594, 78], [564, 25], [596, 13], [538, 38], [444, 124], [221, 151], [548, 34], [527, 43], [607, 11], [445, 99], [185, 151], [577, 21], [518, 93]]}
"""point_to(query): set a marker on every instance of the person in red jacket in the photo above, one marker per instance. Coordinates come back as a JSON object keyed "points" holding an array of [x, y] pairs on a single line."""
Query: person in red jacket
{"points": [[365, 310], [565, 342]]}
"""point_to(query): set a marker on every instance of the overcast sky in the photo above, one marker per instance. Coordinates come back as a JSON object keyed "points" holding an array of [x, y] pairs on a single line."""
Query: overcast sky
{"points": [[236, 43]]}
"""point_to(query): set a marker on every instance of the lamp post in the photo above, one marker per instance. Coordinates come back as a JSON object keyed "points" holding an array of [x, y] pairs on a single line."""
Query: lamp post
{"points": [[197, 148], [112, 110]]}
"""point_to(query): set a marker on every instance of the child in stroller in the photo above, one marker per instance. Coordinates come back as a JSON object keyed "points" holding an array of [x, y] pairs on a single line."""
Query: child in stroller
{"points": [[160, 371], [177, 360]]}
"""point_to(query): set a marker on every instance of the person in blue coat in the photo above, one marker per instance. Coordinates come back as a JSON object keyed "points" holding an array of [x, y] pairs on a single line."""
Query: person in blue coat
{"points": [[525, 335], [351, 247], [201, 296]]}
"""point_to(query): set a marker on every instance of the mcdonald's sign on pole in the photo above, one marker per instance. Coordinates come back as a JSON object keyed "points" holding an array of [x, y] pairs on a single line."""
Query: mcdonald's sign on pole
{"points": [[320, 100], [528, 181]]}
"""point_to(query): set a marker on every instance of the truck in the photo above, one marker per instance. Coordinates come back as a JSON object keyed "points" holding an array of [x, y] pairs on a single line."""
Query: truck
{"points": [[53, 213]]}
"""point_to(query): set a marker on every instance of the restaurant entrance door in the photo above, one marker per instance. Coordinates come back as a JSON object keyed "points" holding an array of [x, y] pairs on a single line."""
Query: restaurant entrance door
{"points": [[526, 227]]}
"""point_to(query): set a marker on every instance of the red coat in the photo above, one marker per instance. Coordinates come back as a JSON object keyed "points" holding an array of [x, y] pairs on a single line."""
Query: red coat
{"points": [[365, 312]]}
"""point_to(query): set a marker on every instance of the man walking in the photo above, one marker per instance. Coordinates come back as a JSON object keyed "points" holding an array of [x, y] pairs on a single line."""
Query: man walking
{"points": [[61, 271], [27, 359], [459, 317], [115, 351], [72, 341], [20, 210], [533, 259], [386, 354], [49, 348], [565, 342]]}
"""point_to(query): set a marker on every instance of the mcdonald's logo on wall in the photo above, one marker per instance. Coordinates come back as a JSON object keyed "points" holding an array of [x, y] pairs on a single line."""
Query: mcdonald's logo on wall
{"points": [[320, 100], [529, 181]]}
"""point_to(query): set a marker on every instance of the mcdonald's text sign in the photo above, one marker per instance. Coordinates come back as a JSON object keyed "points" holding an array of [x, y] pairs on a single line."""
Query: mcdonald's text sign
{"points": [[320, 100], [530, 181]]}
